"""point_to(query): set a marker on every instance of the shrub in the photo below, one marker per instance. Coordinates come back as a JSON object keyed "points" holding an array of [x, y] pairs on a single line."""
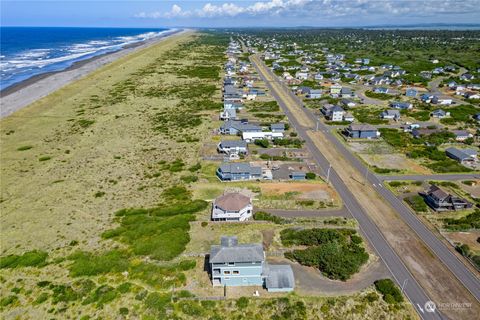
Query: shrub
{"points": [[24, 148], [264, 143], [310, 175], [123, 311], [204, 224], [178, 193], [8, 300], [33, 258], [102, 295], [391, 294], [265, 216], [417, 203], [471, 221], [242, 302], [189, 179], [158, 303], [195, 167], [89, 264], [44, 158], [41, 298]]}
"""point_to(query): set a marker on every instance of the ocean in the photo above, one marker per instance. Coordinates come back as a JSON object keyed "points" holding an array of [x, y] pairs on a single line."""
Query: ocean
{"points": [[30, 51]]}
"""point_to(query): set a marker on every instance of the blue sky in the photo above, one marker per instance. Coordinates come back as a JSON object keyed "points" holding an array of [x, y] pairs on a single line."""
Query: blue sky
{"points": [[276, 13]]}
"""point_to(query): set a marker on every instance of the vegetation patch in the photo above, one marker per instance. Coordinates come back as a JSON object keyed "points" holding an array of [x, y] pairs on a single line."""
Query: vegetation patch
{"points": [[417, 203], [265, 216], [24, 148], [390, 292], [337, 253], [33, 258], [469, 222]]}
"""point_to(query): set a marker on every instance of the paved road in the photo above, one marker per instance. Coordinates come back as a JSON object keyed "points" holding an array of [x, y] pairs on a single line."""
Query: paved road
{"points": [[419, 177], [397, 268], [343, 212]]}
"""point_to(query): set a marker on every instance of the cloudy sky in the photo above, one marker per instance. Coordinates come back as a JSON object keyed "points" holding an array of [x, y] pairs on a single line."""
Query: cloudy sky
{"points": [[276, 13]]}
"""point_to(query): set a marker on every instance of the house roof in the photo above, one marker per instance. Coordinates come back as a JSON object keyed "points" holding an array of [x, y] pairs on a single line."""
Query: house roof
{"points": [[392, 112], [461, 154], [277, 126], [231, 251], [437, 192], [279, 276], [362, 127], [240, 167], [233, 201], [233, 144], [460, 133]]}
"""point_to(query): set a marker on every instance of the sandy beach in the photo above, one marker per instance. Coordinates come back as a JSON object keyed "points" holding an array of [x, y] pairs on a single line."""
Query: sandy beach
{"points": [[26, 92]]}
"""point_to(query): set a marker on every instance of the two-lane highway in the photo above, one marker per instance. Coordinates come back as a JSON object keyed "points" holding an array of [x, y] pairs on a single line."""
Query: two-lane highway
{"points": [[370, 231]]}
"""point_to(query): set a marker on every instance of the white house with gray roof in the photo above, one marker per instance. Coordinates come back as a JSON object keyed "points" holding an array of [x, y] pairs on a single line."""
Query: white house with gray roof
{"points": [[463, 156], [238, 171], [232, 127], [232, 146], [234, 264]]}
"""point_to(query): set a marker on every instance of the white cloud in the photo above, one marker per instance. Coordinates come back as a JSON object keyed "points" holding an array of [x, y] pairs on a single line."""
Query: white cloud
{"points": [[321, 8]]}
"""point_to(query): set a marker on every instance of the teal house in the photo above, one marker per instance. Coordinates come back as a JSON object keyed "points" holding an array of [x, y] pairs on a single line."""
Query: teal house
{"points": [[234, 264]]}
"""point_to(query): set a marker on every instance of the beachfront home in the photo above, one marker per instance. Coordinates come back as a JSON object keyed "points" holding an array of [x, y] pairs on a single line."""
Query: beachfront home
{"points": [[439, 200], [234, 264], [232, 206], [238, 171], [232, 147], [362, 131], [464, 156]]}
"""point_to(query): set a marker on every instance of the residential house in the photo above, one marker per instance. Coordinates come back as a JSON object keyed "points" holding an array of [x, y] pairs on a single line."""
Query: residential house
{"points": [[287, 76], [277, 127], [232, 206], [238, 171], [346, 93], [411, 92], [314, 93], [390, 115], [335, 89], [462, 135], [333, 113], [381, 90], [348, 103], [444, 100], [232, 147], [234, 264], [362, 131], [463, 156], [252, 136], [440, 113], [471, 95], [228, 114], [467, 77], [232, 105], [401, 105], [439, 200], [300, 75], [422, 132], [318, 76], [235, 127], [348, 117], [426, 97]]}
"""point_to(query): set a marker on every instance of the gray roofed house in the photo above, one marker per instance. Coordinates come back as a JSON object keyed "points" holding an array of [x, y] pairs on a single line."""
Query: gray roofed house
{"points": [[390, 114], [439, 200], [462, 155], [238, 171], [401, 105], [232, 146], [231, 251], [277, 127], [233, 127], [233, 264], [279, 278], [362, 131]]}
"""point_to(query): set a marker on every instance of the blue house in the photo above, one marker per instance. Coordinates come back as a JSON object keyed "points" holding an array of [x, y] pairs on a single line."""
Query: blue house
{"points": [[233, 264], [362, 131], [298, 175], [411, 92], [401, 105], [233, 127], [238, 171]]}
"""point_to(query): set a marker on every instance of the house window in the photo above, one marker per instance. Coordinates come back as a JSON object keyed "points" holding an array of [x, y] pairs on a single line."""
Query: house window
{"points": [[231, 263], [226, 272], [236, 272]]}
